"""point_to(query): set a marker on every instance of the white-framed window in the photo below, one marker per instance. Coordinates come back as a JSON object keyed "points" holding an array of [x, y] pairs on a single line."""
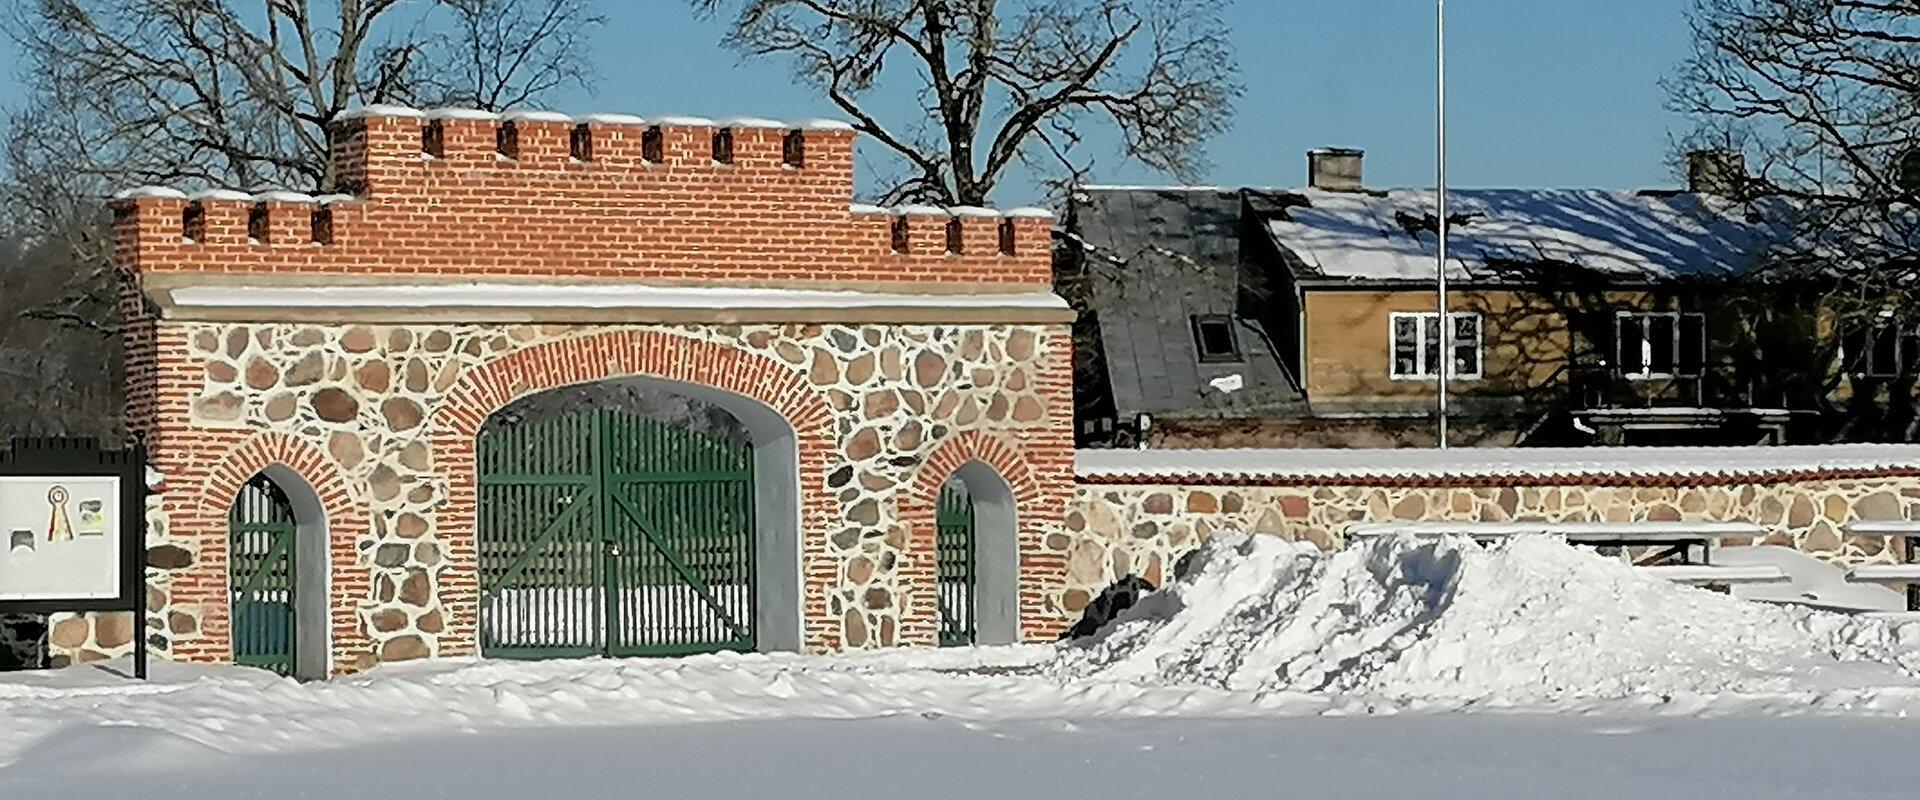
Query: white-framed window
{"points": [[1660, 344], [1416, 345], [1881, 346]]}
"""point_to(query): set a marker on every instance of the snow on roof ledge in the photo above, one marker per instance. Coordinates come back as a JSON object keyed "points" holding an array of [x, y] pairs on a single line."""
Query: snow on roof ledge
{"points": [[972, 211], [534, 115], [1309, 465], [283, 196], [818, 124], [219, 194], [864, 208], [751, 122], [919, 211], [611, 119], [1030, 212], [683, 121], [379, 110], [590, 296], [140, 192], [461, 113]]}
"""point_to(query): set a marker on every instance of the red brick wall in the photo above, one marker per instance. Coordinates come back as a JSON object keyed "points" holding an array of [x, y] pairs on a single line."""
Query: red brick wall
{"points": [[687, 219], [472, 215]]}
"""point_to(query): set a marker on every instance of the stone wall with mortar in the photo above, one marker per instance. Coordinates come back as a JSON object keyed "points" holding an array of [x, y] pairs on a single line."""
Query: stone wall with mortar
{"points": [[380, 420], [1113, 529]]}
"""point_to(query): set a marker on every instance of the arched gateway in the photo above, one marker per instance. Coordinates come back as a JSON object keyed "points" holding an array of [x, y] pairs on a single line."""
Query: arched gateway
{"points": [[450, 356]]}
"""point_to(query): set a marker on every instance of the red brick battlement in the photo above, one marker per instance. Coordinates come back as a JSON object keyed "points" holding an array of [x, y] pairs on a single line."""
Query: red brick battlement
{"points": [[475, 196]]}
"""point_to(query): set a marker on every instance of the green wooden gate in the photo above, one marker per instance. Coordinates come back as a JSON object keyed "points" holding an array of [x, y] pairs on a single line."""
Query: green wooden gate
{"points": [[260, 576], [953, 546], [604, 533]]}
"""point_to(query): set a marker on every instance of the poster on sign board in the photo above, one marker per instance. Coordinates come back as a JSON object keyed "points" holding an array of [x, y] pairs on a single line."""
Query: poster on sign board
{"points": [[62, 538]]}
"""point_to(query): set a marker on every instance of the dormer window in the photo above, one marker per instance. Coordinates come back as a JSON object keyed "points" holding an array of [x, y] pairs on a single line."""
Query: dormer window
{"points": [[1214, 337]]}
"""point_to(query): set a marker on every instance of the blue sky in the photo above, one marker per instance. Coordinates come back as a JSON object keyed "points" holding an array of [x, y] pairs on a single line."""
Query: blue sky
{"points": [[1543, 92]]}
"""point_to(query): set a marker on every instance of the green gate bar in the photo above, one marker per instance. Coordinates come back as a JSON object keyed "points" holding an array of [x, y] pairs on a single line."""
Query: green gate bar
{"points": [[260, 566], [954, 554], [605, 533]]}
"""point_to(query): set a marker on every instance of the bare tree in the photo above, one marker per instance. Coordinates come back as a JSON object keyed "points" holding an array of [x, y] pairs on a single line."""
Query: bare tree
{"points": [[203, 91], [1823, 98], [229, 94], [1001, 83]]}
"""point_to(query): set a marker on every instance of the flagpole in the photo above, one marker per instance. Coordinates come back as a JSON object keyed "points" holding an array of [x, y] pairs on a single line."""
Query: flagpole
{"points": [[1444, 320]]}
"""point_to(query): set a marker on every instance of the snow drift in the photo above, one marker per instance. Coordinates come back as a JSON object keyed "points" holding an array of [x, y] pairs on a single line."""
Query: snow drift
{"points": [[1527, 620]]}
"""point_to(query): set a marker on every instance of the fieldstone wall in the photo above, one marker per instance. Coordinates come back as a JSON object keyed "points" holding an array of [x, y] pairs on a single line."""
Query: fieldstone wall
{"points": [[379, 420], [1117, 529]]}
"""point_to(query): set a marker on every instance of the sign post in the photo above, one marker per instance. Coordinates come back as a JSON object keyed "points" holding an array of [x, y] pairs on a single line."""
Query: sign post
{"points": [[73, 531]]}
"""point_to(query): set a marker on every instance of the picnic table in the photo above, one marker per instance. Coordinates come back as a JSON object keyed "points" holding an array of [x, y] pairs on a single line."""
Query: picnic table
{"points": [[1679, 540], [1905, 573]]}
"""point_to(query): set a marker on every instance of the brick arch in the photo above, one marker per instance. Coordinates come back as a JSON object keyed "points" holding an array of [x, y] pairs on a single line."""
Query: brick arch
{"points": [[247, 458], [1005, 458], [619, 354], [489, 387], [918, 504], [348, 521]]}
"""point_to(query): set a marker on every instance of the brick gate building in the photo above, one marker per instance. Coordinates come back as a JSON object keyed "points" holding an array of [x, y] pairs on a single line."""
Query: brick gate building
{"points": [[352, 347]]}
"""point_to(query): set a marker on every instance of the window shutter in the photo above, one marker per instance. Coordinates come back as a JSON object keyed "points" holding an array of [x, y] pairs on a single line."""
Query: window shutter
{"points": [[1693, 345]]}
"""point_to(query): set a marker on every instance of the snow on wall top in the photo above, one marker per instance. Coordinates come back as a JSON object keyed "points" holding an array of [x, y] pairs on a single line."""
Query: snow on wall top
{"points": [[1310, 465], [538, 115], [1388, 235], [611, 296]]}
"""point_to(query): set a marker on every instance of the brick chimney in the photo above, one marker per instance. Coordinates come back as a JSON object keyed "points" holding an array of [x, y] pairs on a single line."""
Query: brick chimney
{"points": [[1716, 171], [1335, 169]]}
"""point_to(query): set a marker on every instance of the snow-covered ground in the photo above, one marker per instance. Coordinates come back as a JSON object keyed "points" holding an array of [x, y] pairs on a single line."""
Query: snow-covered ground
{"points": [[1431, 667]]}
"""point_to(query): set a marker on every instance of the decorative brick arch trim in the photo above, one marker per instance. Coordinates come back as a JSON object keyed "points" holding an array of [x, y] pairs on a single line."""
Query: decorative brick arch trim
{"points": [[619, 354], [917, 508], [347, 522], [489, 387], [917, 505], [247, 458]]}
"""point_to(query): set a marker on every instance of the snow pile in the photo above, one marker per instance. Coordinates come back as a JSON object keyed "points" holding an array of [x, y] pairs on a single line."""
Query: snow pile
{"points": [[1530, 620]]}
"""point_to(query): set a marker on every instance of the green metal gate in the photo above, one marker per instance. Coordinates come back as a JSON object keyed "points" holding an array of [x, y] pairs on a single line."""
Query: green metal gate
{"points": [[605, 533], [260, 576], [953, 546]]}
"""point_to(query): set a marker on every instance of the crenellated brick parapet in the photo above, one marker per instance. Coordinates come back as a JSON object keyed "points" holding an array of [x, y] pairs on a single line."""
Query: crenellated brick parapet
{"points": [[476, 196]]}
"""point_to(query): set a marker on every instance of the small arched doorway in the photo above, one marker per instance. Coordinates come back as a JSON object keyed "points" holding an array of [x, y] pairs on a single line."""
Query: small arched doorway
{"points": [[976, 549], [637, 517], [277, 576]]}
